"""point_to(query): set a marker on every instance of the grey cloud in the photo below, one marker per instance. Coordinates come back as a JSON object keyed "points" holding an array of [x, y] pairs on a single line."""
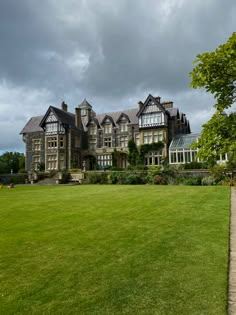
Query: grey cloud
{"points": [[140, 49], [127, 44], [112, 52]]}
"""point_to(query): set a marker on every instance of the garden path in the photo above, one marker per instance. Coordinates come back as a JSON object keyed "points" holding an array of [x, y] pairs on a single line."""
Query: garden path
{"points": [[232, 261]]}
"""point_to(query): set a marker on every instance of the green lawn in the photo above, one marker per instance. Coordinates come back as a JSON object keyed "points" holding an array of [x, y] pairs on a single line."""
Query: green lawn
{"points": [[114, 250]]}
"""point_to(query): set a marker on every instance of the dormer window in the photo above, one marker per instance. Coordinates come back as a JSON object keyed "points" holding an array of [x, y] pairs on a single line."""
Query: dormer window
{"points": [[123, 127], [107, 128]]}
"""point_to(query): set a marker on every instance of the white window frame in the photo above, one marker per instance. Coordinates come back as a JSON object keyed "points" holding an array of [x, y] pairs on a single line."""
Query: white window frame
{"points": [[104, 160], [37, 144], [107, 129], [124, 141], [149, 120], [123, 127], [51, 143], [51, 161], [36, 162], [153, 157]]}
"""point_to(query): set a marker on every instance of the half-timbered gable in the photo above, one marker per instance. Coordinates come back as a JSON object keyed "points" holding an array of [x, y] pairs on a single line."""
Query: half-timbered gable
{"points": [[152, 114]]}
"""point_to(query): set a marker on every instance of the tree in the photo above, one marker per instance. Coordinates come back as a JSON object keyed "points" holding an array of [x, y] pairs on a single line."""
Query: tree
{"points": [[11, 161], [216, 72], [218, 137]]}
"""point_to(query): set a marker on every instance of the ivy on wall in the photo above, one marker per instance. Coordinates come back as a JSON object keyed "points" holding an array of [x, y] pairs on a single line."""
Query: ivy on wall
{"points": [[136, 156], [133, 156], [145, 148]]}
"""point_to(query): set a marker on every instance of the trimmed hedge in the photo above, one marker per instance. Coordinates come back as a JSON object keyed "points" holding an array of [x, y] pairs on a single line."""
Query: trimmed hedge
{"points": [[155, 176]]}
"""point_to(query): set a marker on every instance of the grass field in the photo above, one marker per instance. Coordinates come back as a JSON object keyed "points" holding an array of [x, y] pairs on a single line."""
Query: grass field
{"points": [[114, 250]]}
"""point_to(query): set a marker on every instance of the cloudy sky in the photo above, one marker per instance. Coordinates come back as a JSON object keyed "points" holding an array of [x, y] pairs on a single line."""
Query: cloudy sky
{"points": [[112, 52]]}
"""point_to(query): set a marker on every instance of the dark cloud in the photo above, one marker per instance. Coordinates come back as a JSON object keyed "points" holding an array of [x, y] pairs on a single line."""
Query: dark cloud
{"points": [[146, 47], [112, 52]]}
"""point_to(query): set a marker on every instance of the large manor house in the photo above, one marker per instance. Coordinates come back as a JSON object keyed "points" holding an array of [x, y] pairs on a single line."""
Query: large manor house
{"points": [[63, 140]]}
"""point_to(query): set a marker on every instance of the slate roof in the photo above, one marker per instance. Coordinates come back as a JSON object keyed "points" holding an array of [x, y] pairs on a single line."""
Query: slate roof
{"points": [[131, 113], [32, 125], [65, 117], [85, 103], [35, 123]]}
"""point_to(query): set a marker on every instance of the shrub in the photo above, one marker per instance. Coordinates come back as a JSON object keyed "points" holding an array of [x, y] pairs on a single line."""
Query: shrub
{"points": [[218, 172], [115, 168], [134, 179], [65, 177], [121, 178], [227, 182], [127, 178], [160, 180], [97, 178], [193, 181], [172, 180], [113, 178], [169, 170], [208, 181], [153, 171]]}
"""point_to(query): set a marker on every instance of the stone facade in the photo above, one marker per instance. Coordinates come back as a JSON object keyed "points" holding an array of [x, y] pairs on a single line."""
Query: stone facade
{"points": [[63, 140]]}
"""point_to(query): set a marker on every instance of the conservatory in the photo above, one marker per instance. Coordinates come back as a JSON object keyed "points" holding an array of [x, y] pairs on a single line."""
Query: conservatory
{"points": [[180, 151]]}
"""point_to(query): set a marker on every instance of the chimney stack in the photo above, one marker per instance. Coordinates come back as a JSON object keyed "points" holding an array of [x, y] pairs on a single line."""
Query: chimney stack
{"points": [[140, 105], [167, 104], [78, 121], [64, 106]]}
